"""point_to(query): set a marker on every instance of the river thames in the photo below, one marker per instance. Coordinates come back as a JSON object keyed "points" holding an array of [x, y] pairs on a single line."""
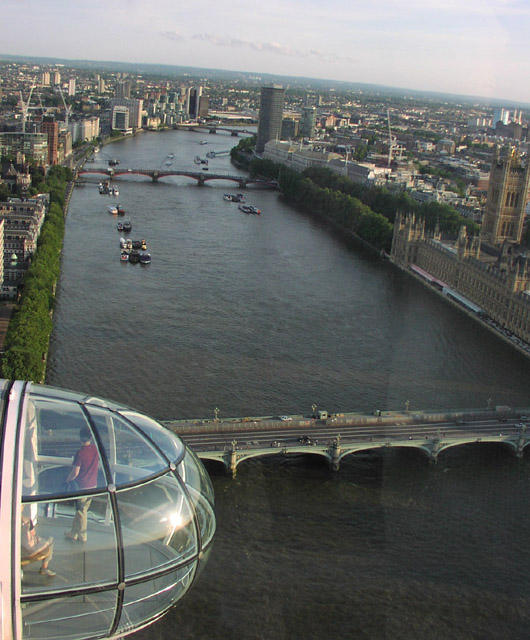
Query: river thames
{"points": [[267, 315]]}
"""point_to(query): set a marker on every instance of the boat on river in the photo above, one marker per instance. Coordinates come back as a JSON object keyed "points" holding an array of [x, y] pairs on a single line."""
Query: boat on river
{"points": [[112, 210], [145, 258], [124, 256], [127, 225], [134, 257], [230, 197], [119, 226], [247, 208]]}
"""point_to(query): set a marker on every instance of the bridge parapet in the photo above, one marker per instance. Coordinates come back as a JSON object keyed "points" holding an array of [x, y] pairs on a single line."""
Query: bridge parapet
{"points": [[339, 420], [334, 451]]}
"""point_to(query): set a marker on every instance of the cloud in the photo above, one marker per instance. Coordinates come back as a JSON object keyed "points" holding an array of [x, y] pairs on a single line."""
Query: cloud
{"points": [[172, 35], [268, 47]]}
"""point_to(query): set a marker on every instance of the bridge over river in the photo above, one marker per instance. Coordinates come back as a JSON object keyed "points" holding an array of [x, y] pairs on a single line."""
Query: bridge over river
{"points": [[157, 174], [234, 441]]}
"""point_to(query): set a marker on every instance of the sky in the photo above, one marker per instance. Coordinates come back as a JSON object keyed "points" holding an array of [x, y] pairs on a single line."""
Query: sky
{"points": [[468, 47]]}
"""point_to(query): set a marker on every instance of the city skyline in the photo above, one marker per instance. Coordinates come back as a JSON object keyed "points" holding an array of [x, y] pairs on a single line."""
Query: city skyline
{"points": [[475, 49]]}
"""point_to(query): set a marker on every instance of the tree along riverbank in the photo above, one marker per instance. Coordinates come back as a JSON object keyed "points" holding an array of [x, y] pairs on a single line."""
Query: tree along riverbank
{"points": [[367, 213], [28, 334]]}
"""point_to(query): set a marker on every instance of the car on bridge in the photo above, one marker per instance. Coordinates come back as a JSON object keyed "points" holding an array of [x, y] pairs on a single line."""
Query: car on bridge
{"points": [[285, 418]]}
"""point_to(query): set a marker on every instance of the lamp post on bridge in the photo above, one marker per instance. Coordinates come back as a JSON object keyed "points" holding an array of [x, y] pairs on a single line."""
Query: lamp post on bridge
{"points": [[216, 411], [313, 410]]}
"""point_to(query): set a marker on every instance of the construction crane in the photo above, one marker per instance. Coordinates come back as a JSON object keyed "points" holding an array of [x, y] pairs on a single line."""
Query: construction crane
{"points": [[67, 108], [25, 107], [390, 140]]}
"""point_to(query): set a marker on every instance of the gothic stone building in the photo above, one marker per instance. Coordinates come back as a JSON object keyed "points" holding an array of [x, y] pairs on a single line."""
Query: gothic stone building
{"points": [[499, 284]]}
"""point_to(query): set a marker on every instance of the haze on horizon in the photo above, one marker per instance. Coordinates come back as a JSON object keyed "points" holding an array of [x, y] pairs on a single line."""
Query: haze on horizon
{"points": [[475, 47]]}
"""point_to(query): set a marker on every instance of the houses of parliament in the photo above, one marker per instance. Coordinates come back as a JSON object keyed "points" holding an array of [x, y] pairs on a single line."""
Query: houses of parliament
{"points": [[490, 273]]}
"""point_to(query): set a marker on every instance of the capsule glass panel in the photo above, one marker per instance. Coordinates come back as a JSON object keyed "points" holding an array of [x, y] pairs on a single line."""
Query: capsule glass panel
{"points": [[157, 525], [70, 618], [130, 455], [52, 440], [147, 600], [163, 438], [193, 473], [51, 561]]}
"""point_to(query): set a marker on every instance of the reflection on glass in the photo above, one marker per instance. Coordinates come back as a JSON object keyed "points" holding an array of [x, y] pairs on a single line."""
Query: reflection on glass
{"points": [[149, 599], [87, 616], [74, 563], [157, 525]]}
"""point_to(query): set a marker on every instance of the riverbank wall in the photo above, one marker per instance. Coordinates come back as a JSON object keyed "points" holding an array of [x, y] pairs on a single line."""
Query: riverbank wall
{"points": [[470, 314]]}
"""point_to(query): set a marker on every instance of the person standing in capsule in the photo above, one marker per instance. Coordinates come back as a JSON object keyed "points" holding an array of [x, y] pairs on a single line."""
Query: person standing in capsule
{"points": [[85, 473]]}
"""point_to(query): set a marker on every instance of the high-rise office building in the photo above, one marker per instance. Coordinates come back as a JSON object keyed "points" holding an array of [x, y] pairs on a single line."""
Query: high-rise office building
{"points": [[51, 128], [123, 89], [507, 198], [290, 128], [120, 118], [307, 122], [194, 96], [204, 105], [270, 115], [135, 110]]}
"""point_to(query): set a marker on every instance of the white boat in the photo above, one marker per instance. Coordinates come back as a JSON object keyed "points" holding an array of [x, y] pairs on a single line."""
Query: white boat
{"points": [[123, 242], [112, 210]]}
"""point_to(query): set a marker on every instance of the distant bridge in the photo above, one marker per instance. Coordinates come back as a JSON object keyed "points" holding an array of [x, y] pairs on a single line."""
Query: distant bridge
{"points": [[157, 174], [334, 439], [213, 129]]}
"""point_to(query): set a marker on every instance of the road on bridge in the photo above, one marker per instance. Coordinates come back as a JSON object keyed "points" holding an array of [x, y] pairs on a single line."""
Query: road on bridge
{"points": [[327, 434]]}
